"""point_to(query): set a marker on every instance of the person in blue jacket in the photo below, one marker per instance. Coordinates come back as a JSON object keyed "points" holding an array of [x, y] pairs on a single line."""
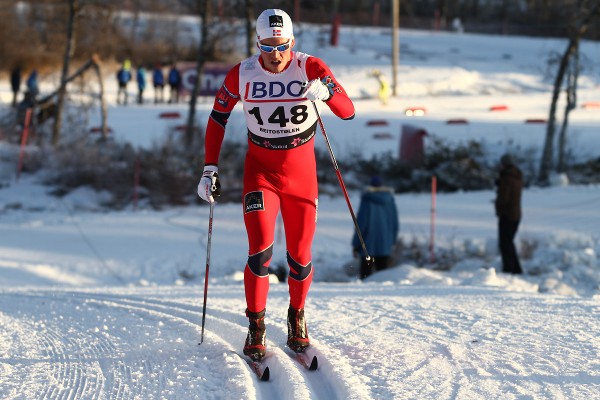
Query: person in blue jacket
{"points": [[158, 80], [32, 84], [141, 81], [378, 222], [123, 78], [174, 79]]}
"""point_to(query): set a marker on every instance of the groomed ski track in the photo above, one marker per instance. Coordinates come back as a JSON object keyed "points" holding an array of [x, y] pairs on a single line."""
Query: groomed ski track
{"points": [[94, 353], [372, 341]]}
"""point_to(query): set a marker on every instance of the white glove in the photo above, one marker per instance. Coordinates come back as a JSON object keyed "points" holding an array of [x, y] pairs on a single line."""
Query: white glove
{"points": [[209, 184], [317, 90]]}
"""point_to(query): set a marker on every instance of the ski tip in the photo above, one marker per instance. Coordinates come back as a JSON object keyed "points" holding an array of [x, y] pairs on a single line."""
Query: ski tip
{"points": [[314, 364], [265, 375]]}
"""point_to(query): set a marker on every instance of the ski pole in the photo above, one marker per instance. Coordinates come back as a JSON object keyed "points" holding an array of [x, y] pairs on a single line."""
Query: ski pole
{"points": [[341, 181], [210, 220]]}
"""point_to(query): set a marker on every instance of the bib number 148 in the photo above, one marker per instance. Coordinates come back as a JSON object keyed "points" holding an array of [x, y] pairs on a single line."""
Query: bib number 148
{"points": [[298, 115]]}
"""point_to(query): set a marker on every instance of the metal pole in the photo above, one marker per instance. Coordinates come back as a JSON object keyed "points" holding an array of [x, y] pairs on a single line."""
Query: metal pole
{"points": [[24, 136], [432, 238], [210, 220], [395, 45]]}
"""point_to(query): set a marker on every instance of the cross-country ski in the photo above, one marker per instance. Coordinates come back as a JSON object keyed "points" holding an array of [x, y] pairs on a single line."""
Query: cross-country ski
{"points": [[260, 369], [309, 362]]}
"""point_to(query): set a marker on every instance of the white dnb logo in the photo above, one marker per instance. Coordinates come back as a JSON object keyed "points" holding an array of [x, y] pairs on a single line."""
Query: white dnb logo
{"points": [[211, 82]]}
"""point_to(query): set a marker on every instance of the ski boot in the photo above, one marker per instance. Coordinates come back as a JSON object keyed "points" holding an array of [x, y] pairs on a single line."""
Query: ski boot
{"points": [[255, 347], [298, 339]]}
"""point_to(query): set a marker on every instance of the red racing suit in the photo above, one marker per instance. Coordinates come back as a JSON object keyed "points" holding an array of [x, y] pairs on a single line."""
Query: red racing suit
{"points": [[280, 167]]}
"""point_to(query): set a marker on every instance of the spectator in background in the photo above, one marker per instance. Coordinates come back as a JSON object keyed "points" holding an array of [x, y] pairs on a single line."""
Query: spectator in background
{"points": [[158, 80], [508, 210], [384, 87], [32, 84], [378, 223], [141, 81], [123, 78], [174, 80], [15, 83]]}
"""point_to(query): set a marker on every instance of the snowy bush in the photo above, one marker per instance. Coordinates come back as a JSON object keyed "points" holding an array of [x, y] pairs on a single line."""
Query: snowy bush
{"points": [[167, 174]]}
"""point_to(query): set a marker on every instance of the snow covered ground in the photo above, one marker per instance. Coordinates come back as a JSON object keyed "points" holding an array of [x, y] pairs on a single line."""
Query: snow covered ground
{"points": [[98, 304]]}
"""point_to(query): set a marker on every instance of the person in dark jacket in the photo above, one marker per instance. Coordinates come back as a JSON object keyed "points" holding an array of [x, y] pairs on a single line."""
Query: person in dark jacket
{"points": [[378, 222], [174, 79], [508, 210], [15, 84], [141, 81], [158, 80]]}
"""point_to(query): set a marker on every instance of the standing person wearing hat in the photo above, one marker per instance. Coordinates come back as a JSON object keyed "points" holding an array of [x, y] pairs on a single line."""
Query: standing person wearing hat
{"points": [[508, 210], [158, 80], [141, 81], [123, 78], [174, 80], [276, 88], [378, 222]]}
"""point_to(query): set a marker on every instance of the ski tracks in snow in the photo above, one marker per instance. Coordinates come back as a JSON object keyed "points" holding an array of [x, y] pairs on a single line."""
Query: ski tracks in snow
{"points": [[467, 345], [143, 345], [373, 342]]}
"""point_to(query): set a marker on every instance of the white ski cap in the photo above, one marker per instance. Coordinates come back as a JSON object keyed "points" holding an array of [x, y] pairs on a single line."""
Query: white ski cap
{"points": [[274, 23]]}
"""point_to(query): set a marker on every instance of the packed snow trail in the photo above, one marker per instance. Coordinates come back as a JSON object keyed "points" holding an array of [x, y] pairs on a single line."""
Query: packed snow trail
{"points": [[99, 345], [469, 343], [372, 340]]}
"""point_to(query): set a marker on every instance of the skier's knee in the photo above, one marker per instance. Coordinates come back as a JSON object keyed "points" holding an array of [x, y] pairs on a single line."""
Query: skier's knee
{"points": [[259, 262], [297, 271]]}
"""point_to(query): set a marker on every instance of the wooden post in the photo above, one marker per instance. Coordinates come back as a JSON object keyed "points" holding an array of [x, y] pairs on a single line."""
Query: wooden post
{"points": [[432, 238], [296, 11], [23, 141], [136, 181], [395, 44], [376, 13]]}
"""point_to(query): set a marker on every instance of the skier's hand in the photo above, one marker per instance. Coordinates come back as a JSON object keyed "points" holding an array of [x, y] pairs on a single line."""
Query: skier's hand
{"points": [[209, 186], [318, 90]]}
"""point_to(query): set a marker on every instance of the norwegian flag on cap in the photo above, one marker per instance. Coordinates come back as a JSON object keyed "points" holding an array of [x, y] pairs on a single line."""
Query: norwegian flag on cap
{"points": [[274, 23]]}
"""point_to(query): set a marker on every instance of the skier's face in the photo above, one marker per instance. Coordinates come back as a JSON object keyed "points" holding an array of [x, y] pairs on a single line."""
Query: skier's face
{"points": [[276, 60]]}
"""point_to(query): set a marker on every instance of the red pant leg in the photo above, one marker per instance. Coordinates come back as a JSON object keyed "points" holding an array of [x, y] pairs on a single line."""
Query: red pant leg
{"points": [[273, 179], [299, 218], [261, 206]]}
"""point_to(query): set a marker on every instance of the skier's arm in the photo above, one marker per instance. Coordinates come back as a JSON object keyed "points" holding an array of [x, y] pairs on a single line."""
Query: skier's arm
{"points": [[225, 100], [339, 103]]}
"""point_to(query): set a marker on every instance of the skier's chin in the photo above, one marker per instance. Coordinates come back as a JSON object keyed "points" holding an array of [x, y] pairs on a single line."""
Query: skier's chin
{"points": [[276, 66]]}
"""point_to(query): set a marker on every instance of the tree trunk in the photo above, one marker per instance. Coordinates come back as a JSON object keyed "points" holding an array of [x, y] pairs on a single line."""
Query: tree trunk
{"points": [[395, 45], [250, 34], [571, 92], [547, 159], [204, 9], [69, 51], [581, 24], [103, 108]]}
